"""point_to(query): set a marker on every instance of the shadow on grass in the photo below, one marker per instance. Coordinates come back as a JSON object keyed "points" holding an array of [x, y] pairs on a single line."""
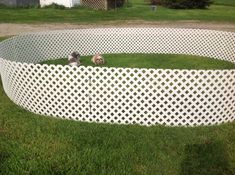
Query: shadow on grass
{"points": [[209, 158], [4, 156]]}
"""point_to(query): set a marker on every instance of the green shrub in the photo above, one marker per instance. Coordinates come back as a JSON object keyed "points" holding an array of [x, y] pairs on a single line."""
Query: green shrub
{"points": [[27, 6], [76, 6], [127, 4], [186, 4], [54, 6], [3, 6], [115, 4], [155, 2]]}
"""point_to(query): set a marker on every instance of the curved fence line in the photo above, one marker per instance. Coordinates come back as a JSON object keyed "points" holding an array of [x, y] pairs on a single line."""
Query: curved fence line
{"points": [[121, 95]]}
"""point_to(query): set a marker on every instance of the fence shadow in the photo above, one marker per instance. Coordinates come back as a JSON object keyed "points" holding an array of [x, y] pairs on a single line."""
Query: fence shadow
{"points": [[209, 158]]}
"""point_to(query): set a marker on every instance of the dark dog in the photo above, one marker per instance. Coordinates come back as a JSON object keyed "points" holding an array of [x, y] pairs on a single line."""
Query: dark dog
{"points": [[74, 59]]}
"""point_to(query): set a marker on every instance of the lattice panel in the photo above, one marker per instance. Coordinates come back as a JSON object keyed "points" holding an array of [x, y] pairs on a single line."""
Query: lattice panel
{"points": [[169, 97], [96, 4], [59, 91], [121, 95], [45, 45]]}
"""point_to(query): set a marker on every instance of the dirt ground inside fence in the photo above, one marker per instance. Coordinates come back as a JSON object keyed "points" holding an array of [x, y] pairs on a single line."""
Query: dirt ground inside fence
{"points": [[8, 29]]}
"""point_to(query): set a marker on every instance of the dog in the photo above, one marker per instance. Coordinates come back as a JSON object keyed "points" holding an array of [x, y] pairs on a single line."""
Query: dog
{"points": [[97, 59], [74, 59]]}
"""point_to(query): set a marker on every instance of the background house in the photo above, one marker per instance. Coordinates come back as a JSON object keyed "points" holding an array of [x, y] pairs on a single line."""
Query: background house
{"points": [[20, 2], [66, 3], [96, 4]]}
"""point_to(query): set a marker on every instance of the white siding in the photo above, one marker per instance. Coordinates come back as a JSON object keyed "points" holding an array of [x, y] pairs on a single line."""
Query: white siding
{"points": [[75, 2], [66, 3]]}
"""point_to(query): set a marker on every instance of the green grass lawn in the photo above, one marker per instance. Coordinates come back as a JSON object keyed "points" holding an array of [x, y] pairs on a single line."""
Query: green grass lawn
{"points": [[3, 38], [33, 144], [157, 61], [138, 11], [225, 2]]}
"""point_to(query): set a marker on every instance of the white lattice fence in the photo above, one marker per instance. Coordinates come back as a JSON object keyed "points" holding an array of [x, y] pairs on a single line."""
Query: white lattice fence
{"points": [[121, 95], [96, 4]]}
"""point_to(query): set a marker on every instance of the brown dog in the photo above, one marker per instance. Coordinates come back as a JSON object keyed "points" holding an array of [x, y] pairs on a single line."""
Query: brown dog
{"points": [[97, 59]]}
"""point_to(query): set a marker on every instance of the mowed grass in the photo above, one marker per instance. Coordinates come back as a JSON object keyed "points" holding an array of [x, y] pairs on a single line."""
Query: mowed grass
{"points": [[138, 11], [33, 144], [4, 37], [225, 2], [157, 61]]}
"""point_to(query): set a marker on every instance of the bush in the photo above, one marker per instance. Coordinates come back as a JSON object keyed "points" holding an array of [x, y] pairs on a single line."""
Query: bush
{"points": [[127, 4], [54, 6], [76, 6], [3, 6], [186, 4], [154, 2], [115, 4]]}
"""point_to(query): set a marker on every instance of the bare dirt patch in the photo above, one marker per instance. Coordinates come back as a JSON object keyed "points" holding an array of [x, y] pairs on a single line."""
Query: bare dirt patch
{"points": [[7, 29]]}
